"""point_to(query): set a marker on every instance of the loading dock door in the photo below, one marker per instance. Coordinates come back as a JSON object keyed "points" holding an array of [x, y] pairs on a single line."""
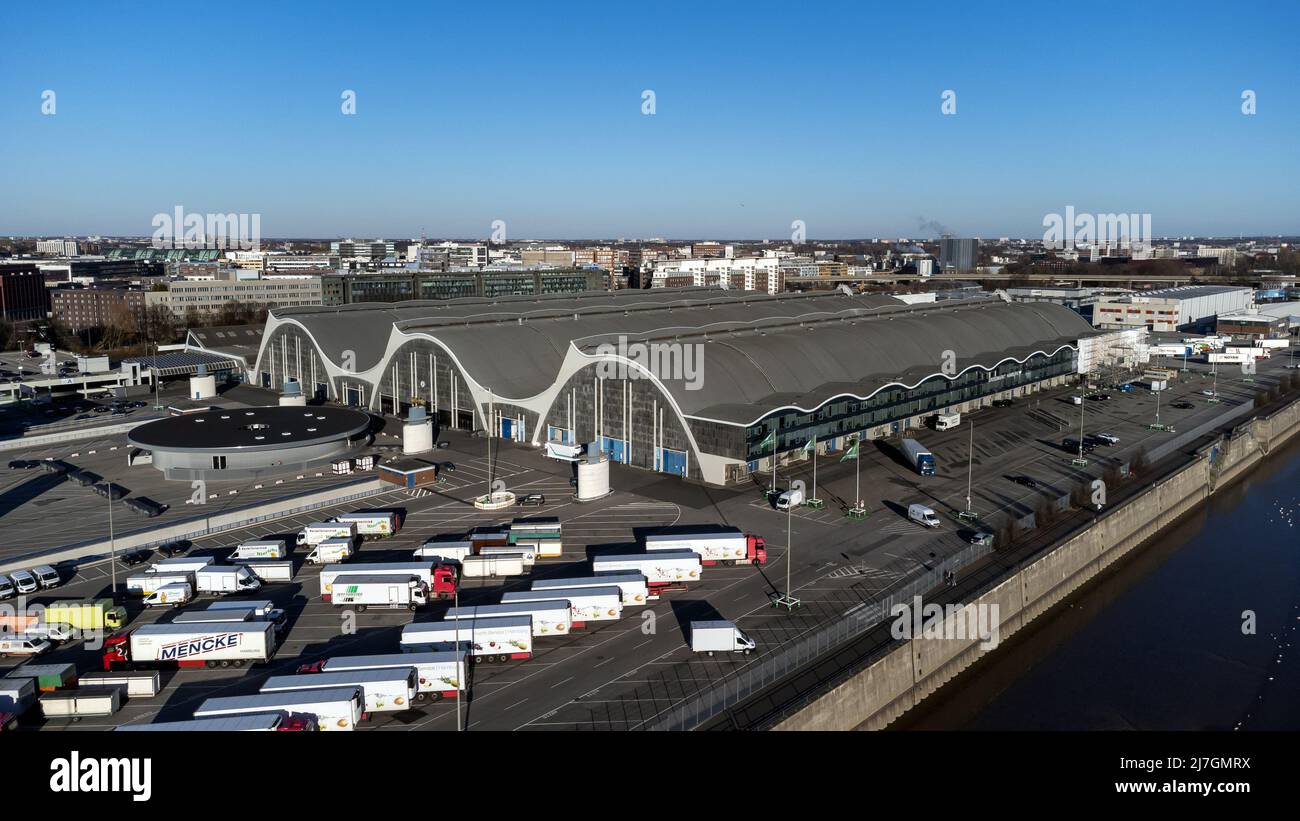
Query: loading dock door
{"points": [[674, 461], [353, 396]]}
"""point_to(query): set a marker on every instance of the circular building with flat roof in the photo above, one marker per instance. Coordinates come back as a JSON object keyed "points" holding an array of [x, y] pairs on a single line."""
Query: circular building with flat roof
{"points": [[240, 442]]}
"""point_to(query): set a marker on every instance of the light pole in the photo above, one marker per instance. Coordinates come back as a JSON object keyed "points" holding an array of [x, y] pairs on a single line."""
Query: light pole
{"points": [[112, 543], [464, 664], [787, 600], [969, 514]]}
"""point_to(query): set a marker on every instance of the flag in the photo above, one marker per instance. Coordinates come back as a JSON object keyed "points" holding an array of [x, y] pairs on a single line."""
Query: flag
{"points": [[851, 453], [768, 442], [811, 445]]}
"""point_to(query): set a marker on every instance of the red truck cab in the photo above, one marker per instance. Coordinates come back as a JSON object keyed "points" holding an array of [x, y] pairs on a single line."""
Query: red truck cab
{"points": [[443, 582], [117, 651], [755, 548]]}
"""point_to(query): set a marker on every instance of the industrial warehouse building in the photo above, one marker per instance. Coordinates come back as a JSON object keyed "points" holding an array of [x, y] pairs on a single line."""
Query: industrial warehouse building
{"points": [[1187, 307], [703, 383]]}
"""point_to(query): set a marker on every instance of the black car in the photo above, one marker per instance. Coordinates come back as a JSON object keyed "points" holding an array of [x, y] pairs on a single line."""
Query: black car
{"points": [[23, 464], [532, 500], [177, 548], [102, 409], [1072, 446], [1098, 397], [134, 558], [1182, 405], [1026, 481], [1002, 403]]}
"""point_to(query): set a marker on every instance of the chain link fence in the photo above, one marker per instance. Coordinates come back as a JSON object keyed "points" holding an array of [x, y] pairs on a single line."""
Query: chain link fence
{"points": [[772, 667]]}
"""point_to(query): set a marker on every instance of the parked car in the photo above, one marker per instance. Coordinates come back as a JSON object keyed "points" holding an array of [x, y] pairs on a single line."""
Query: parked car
{"points": [[1108, 438], [532, 500], [1098, 397], [102, 409], [1002, 403], [1072, 446], [134, 558], [1207, 393], [177, 548], [443, 445], [1182, 405], [23, 464], [1026, 481]]}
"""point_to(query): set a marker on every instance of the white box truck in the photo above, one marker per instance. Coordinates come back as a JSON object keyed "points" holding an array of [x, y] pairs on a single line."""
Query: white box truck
{"points": [[174, 594], [385, 592], [143, 584], [317, 532], [438, 675], [259, 549], [222, 644], [450, 551], [332, 551], [334, 708], [493, 567], [946, 421], [719, 637], [585, 603], [271, 572], [225, 580], [715, 545], [490, 640], [180, 564], [661, 568], [385, 690], [632, 585], [550, 618], [439, 579], [371, 524]]}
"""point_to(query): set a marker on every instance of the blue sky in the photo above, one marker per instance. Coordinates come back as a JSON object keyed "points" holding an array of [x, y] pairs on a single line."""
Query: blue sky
{"points": [[765, 113]]}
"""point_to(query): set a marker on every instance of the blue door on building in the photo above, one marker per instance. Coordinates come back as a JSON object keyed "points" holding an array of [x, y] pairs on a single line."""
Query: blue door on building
{"points": [[674, 461], [507, 428], [616, 448], [354, 396]]}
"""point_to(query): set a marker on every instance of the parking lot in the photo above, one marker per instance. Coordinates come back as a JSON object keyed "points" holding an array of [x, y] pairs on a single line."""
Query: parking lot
{"points": [[621, 675]]}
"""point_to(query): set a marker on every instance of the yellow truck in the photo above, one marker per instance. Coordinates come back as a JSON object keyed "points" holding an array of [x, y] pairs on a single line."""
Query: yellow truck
{"points": [[87, 615]]}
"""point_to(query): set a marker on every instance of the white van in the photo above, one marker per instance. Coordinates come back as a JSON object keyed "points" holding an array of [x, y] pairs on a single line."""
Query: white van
{"points": [[23, 646], [923, 515], [6, 588], [24, 581], [170, 595], [46, 576], [791, 498]]}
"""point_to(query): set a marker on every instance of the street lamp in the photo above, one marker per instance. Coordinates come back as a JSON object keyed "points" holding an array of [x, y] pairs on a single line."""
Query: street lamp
{"points": [[787, 599], [112, 543]]}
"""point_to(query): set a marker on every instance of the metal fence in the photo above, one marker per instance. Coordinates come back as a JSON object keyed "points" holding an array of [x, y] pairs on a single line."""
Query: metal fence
{"points": [[772, 667]]}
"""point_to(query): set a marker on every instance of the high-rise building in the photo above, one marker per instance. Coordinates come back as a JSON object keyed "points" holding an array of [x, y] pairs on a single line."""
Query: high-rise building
{"points": [[958, 254]]}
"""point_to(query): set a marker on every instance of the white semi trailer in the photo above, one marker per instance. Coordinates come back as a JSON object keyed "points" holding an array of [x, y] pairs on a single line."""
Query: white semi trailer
{"points": [[491, 640]]}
